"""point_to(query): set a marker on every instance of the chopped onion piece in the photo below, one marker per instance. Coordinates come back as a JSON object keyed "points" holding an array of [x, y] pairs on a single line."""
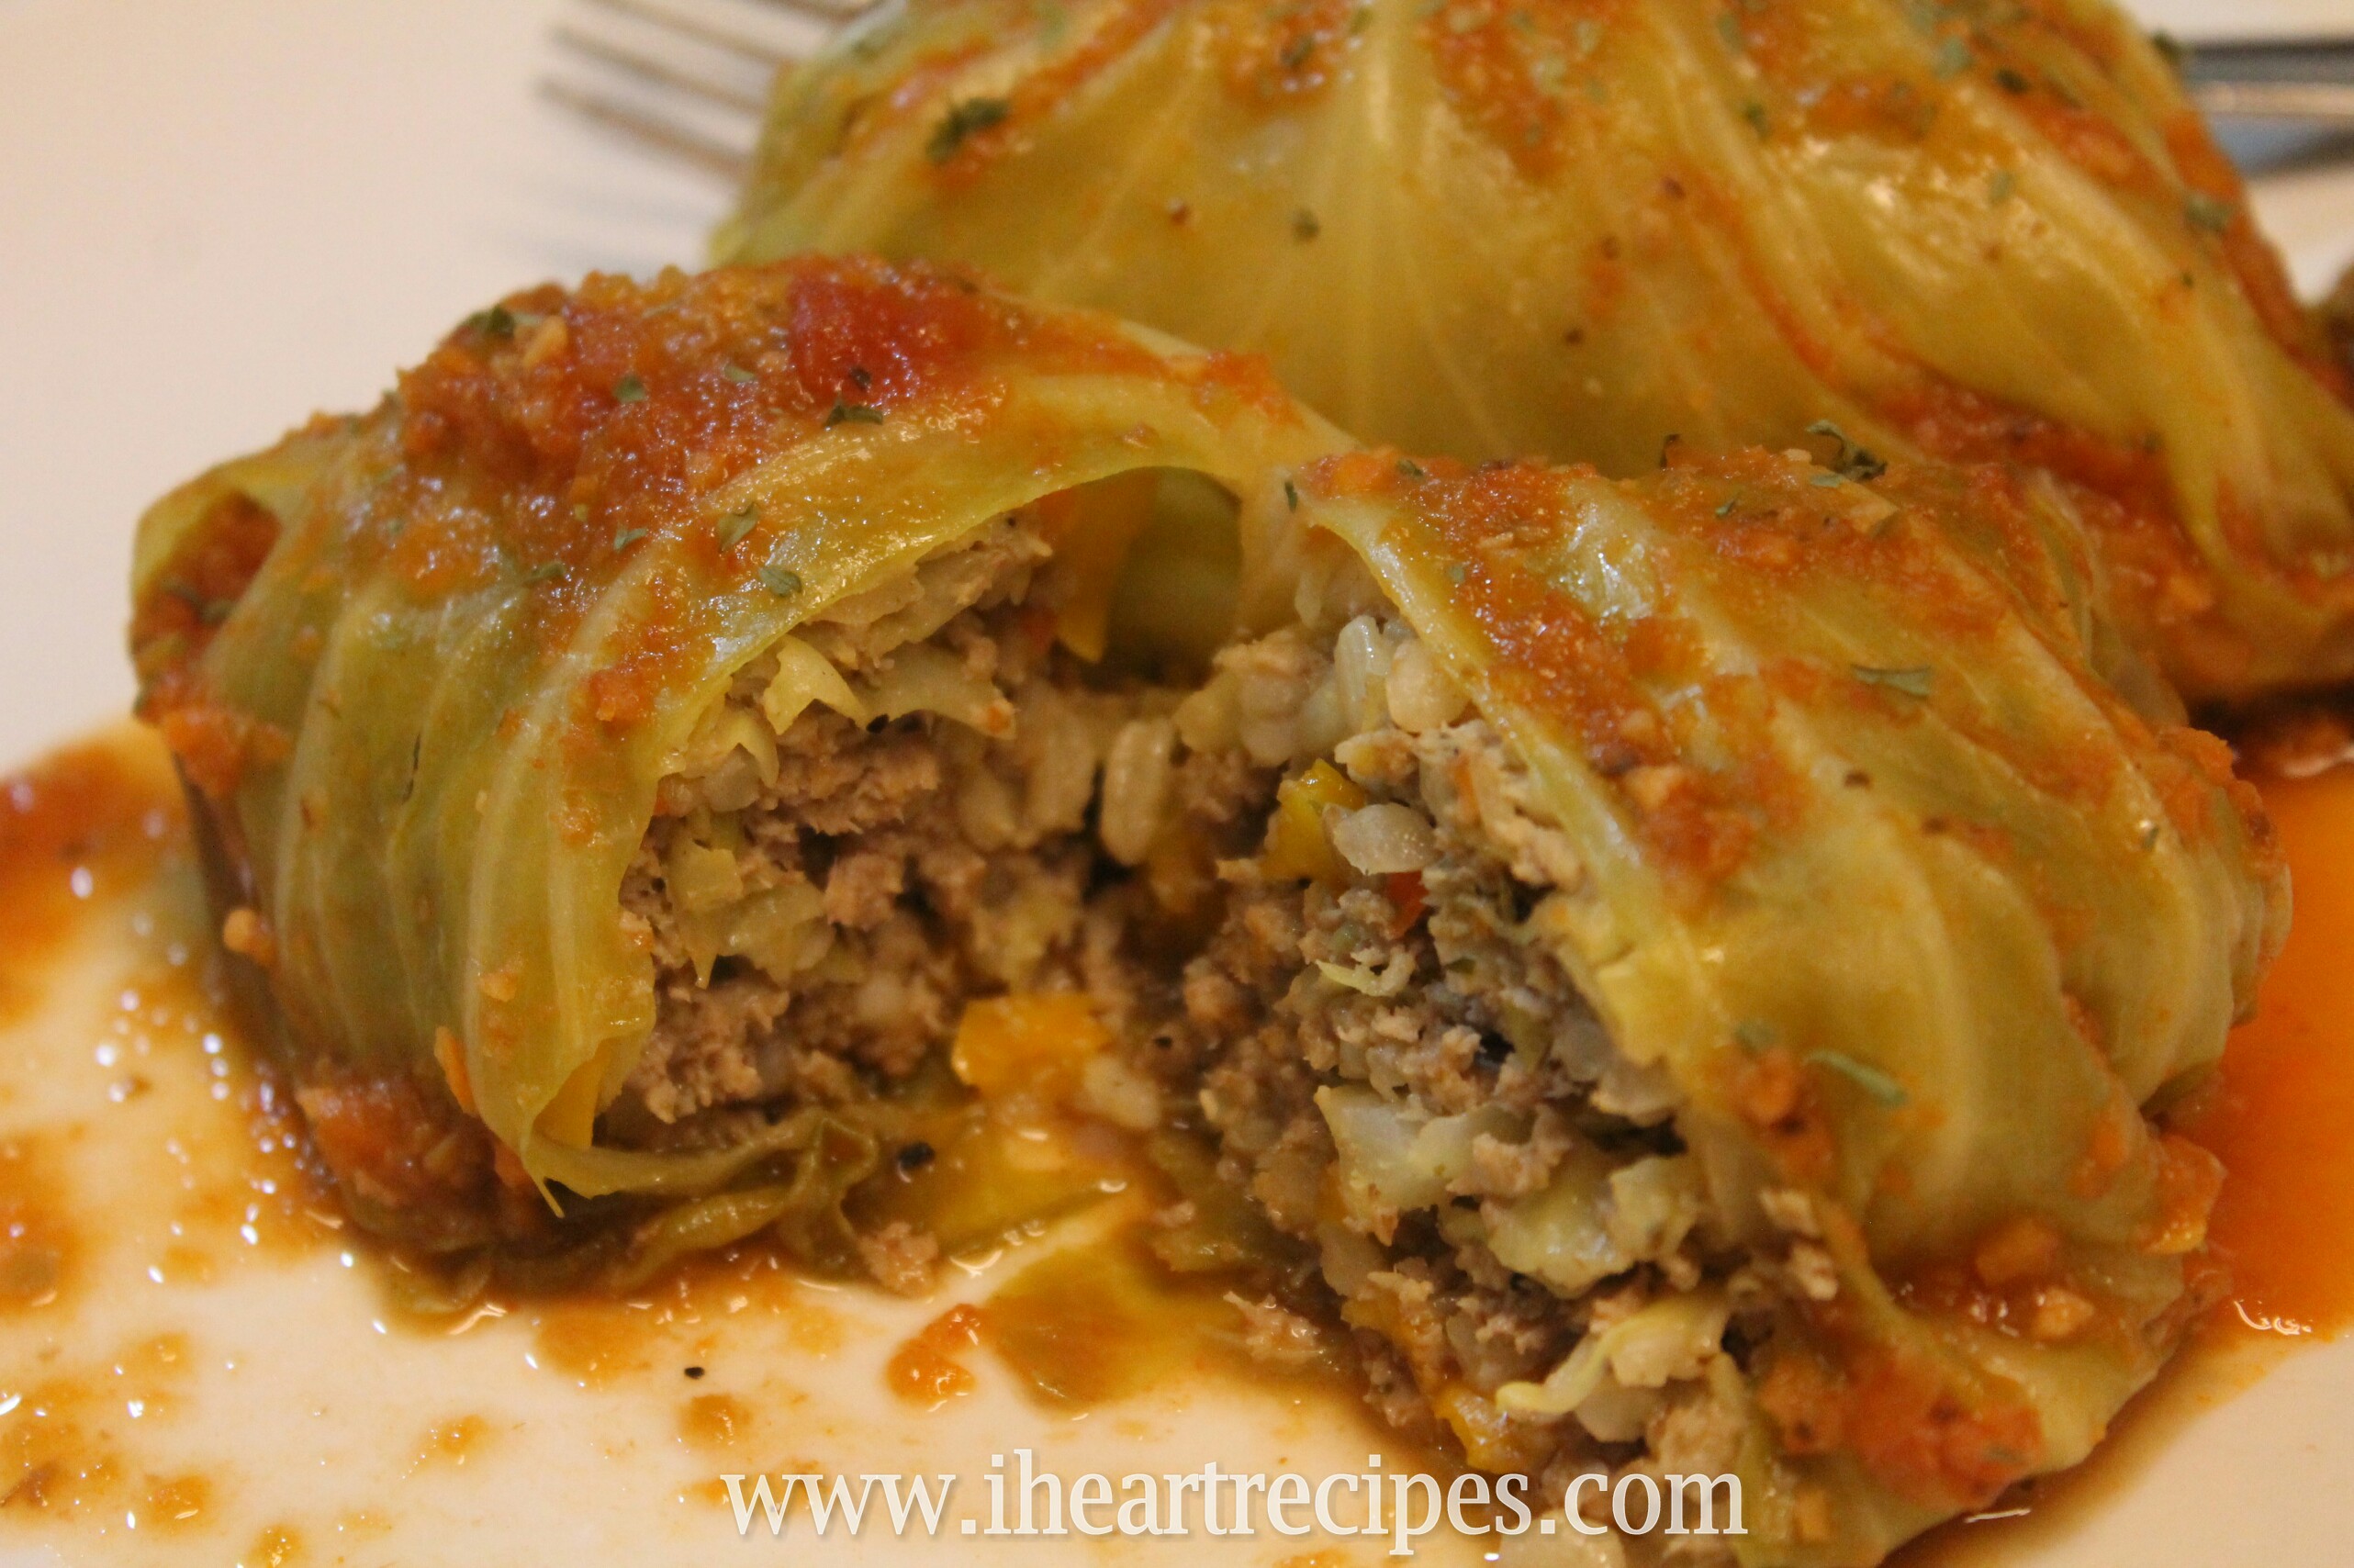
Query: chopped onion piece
{"points": [[1386, 838]]}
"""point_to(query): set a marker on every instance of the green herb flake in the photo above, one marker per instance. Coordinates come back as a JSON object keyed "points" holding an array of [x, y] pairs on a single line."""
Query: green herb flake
{"points": [[496, 323], [627, 537], [737, 525], [1411, 469], [1854, 462], [782, 583], [1291, 496], [1826, 481], [2001, 186], [1729, 30], [1954, 57], [1754, 113], [1913, 680], [630, 388], [1754, 1034], [2011, 82], [1863, 1075], [736, 376], [552, 571], [210, 612], [1457, 572], [962, 120], [853, 414], [1304, 226], [1724, 509], [2207, 212], [1295, 53], [1360, 18], [580, 511]]}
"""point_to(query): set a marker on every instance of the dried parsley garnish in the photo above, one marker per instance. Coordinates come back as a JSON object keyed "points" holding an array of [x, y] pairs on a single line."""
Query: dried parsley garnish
{"points": [[1854, 462], [1913, 680], [963, 119], [1862, 1074], [737, 525], [2210, 213]]}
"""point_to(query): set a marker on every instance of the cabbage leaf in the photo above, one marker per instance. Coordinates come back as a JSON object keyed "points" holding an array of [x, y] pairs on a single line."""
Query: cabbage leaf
{"points": [[1586, 229]]}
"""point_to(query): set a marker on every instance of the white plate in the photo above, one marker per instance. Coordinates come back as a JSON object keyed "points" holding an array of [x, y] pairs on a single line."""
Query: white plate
{"points": [[214, 219]]}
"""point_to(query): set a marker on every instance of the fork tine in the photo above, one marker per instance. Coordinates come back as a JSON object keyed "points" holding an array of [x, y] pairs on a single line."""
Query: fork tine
{"points": [[657, 72], [724, 39], [731, 164], [823, 10], [2322, 103]]}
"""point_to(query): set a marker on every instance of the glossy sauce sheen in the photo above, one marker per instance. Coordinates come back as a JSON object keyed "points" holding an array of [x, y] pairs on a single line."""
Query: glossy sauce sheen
{"points": [[2283, 1118], [150, 1169], [95, 835]]}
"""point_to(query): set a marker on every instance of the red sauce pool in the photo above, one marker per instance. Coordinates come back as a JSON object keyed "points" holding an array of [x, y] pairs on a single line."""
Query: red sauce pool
{"points": [[97, 819], [2282, 1121]]}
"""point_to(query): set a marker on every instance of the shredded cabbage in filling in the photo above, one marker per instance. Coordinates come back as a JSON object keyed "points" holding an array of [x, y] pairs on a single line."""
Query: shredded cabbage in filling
{"points": [[887, 816], [919, 804], [1401, 1077]]}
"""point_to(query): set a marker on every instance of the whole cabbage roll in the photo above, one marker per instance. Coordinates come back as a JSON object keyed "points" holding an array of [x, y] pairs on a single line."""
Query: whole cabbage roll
{"points": [[673, 700], [1588, 228], [1709, 975]]}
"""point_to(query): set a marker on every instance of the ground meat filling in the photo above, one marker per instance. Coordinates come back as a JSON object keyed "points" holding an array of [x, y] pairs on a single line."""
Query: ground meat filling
{"points": [[822, 896], [1401, 1075], [1341, 974]]}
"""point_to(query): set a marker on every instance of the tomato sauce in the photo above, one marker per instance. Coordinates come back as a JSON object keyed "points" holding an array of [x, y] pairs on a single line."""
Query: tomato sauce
{"points": [[2282, 1117], [99, 825]]}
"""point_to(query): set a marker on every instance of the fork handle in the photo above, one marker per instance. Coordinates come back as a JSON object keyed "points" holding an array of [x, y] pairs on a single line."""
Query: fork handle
{"points": [[2309, 79]]}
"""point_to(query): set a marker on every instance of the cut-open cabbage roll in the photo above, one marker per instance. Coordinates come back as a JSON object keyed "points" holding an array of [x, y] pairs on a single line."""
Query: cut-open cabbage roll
{"points": [[1706, 971], [674, 700], [1587, 227], [1681, 967]]}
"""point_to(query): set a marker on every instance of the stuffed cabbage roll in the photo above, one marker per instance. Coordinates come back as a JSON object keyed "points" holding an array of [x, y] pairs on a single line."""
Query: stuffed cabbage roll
{"points": [[1709, 971], [639, 735], [1682, 969], [1590, 228]]}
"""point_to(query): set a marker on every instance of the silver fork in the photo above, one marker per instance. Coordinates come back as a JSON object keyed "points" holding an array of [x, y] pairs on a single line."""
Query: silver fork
{"points": [[687, 79], [690, 78]]}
